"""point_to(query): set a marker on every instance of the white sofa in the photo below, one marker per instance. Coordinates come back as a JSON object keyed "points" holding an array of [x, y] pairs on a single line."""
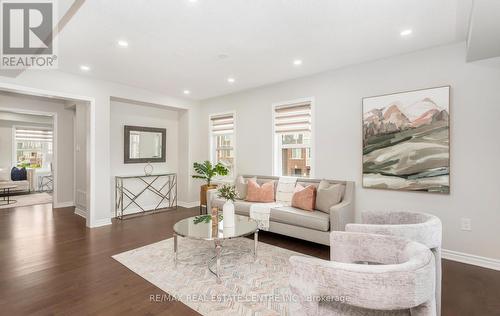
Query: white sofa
{"points": [[313, 226], [22, 186]]}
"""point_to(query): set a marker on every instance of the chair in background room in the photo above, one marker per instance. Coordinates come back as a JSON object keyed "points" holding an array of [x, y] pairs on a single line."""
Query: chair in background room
{"points": [[46, 180]]}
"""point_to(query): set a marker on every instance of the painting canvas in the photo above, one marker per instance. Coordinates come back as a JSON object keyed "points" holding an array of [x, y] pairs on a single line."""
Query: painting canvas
{"points": [[406, 141]]}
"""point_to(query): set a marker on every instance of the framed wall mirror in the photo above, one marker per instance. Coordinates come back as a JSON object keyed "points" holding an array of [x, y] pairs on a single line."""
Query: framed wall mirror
{"points": [[144, 144]]}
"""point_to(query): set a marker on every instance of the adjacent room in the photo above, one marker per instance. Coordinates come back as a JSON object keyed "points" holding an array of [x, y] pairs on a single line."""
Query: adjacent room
{"points": [[264, 157], [26, 159]]}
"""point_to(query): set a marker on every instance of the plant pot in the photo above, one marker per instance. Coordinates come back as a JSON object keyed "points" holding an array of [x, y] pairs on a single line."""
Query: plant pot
{"points": [[203, 193], [228, 214]]}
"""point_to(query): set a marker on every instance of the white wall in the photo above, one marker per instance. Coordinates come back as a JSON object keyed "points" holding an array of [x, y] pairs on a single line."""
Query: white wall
{"points": [[122, 114], [81, 171], [6, 146], [475, 149], [99, 93], [64, 147]]}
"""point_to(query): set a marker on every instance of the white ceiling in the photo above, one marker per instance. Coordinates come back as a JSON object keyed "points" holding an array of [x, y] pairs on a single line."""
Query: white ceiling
{"points": [[176, 45]]}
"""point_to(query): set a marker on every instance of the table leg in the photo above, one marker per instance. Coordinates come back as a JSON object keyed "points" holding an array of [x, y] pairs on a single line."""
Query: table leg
{"points": [[8, 196], [218, 249], [175, 248], [255, 244]]}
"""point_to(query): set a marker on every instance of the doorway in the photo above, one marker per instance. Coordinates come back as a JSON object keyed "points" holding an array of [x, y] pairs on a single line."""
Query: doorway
{"points": [[45, 149]]}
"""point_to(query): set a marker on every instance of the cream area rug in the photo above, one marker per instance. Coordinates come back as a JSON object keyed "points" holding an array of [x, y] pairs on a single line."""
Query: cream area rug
{"points": [[248, 287], [29, 199]]}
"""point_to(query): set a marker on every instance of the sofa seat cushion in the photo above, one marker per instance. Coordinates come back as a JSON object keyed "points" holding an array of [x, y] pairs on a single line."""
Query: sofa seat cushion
{"points": [[240, 207], [217, 202], [293, 216], [20, 185]]}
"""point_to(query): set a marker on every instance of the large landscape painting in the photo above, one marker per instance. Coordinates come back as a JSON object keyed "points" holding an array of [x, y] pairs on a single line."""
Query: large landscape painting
{"points": [[406, 141]]}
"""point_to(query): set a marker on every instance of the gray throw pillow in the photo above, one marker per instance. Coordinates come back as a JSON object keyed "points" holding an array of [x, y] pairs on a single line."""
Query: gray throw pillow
{"points": [[241, 185], [328, 195]]}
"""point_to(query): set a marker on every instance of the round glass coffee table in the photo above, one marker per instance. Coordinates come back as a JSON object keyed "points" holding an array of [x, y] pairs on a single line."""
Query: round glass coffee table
{"points": [[202, 228], [6, 192]]}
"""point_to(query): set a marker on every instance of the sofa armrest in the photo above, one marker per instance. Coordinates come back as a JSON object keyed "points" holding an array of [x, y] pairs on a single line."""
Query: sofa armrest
{"points": [[211, 194], [341, 215]]}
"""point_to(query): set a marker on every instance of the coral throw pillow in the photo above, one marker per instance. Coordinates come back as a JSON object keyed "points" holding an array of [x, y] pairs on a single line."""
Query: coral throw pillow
{"points": [[304, 198], [257, 193]]}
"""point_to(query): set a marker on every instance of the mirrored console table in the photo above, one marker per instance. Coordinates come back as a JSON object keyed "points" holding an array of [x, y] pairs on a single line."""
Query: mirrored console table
{"points": [[160, 191]]}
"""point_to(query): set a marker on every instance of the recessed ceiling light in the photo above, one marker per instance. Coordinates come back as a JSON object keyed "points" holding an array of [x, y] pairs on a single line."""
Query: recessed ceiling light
{"points": [[297, 62], [123, 43], [406, 32], [231, 80], [187, 92], [84, 68]]}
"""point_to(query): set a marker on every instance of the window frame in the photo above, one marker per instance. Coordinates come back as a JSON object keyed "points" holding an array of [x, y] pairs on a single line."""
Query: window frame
{"points": [[277, 145], [212, 146]]}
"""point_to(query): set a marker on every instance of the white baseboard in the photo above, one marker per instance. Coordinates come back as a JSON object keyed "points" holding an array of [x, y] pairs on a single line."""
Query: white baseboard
{"points": [[100, 222], [466, 258], [80, 212], [188, 204], [64, 204]]}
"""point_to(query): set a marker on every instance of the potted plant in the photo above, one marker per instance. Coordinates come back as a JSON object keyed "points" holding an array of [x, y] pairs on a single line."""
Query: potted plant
{"points": [[207, 171], [228, 192]]}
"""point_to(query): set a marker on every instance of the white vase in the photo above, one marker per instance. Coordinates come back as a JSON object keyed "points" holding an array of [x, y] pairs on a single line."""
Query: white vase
{"points": [[228, 214]]}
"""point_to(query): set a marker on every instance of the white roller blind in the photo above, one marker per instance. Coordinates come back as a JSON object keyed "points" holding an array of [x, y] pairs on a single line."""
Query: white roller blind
{"points": [[222, 124], [34, 134], [292, 118]]}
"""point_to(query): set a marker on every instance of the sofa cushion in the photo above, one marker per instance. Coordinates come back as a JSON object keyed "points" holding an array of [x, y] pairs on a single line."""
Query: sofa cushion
{"points": [[19, 174], [304, 198], [218, 202], [4, 175], [20, 185], [242, 207], [328, 195], [241, 185], [293, 216], [257, 193]]}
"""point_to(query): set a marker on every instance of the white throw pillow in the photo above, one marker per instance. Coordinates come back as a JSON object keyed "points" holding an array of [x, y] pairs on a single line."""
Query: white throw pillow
{"points": [[285, 189]]}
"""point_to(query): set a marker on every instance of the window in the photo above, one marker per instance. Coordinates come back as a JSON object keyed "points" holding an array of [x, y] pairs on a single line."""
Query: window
{"points": [[292, 139], [222, 140], [296, 153], [33, 147]]}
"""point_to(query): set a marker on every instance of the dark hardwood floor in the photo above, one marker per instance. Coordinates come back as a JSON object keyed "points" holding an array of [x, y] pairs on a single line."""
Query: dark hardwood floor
{"points": [[51, 264]]}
